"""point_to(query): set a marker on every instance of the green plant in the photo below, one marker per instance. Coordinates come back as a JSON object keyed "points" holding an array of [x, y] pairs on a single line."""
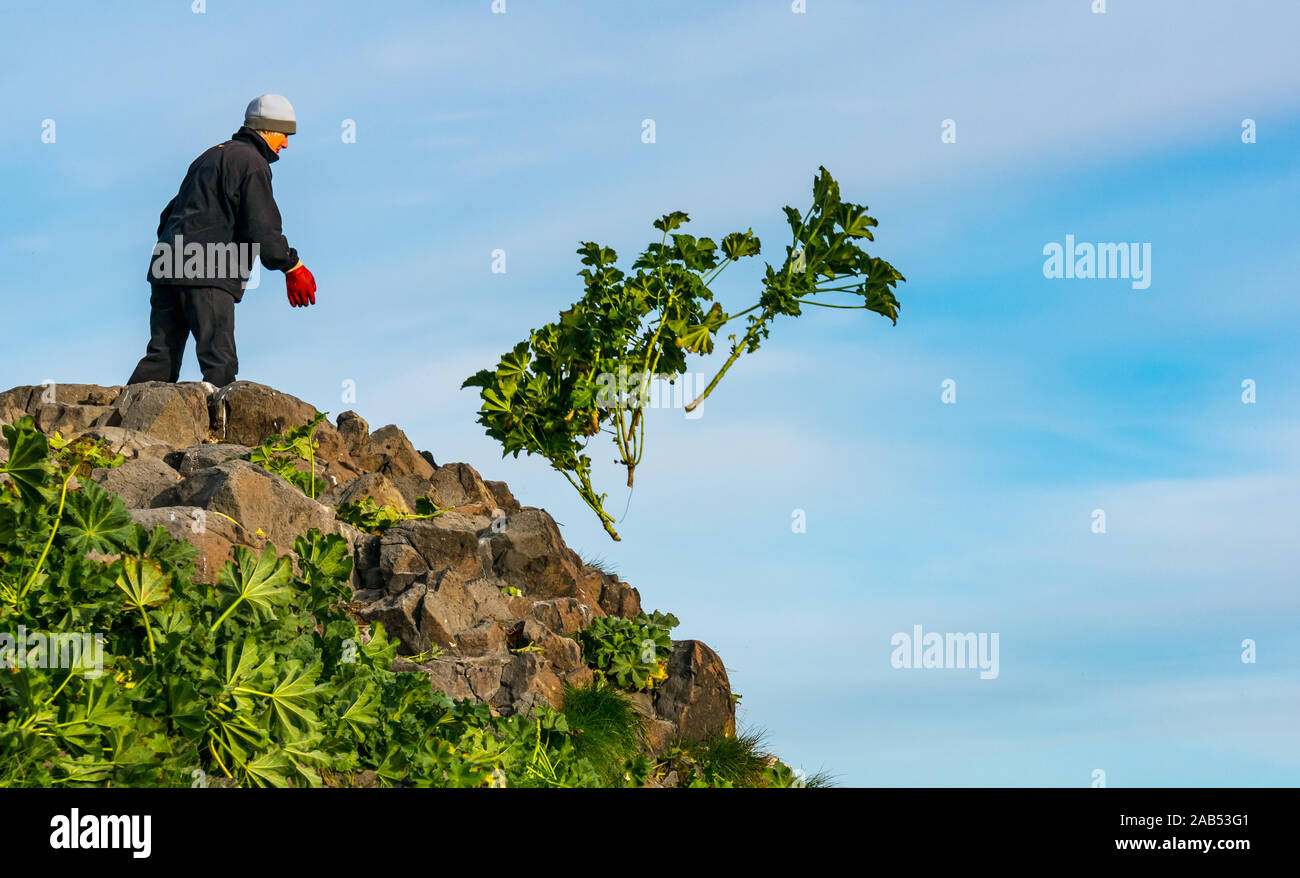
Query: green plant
{"points": [[632, 653], [261, 679], [591, 370], [607, 731], [281, 455], [91, 452], [369, 516]]}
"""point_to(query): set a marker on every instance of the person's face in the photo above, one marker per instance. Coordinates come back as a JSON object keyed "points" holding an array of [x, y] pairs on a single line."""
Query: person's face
{"points": [[276, 141]]}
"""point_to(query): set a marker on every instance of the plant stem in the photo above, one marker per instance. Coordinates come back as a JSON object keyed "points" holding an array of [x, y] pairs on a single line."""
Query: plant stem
{"points": [[60, 689], [217, 756], [711, 278], [228, 611], [147, 630], [58, 519], [735, 355], [586, 493], [731, 317]]}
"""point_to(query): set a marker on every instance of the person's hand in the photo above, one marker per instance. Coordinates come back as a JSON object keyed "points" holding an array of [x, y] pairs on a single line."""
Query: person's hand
{"points": [[301, 286]]}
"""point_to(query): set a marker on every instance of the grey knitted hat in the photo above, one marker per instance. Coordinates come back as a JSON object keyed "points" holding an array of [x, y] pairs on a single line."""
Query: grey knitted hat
{"points": [[271, 113]]}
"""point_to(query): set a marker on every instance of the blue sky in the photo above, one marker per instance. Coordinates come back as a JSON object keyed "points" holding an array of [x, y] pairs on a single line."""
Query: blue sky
{"points": [[521, 131]]}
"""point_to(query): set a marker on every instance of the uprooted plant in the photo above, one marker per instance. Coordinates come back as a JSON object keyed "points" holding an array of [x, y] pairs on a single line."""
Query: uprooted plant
{"points": [[591, 370]]}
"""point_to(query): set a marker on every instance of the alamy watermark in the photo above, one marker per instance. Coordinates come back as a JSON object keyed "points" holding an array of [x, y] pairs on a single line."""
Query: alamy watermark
{"points": [[1084, 260], [633, 390], [75, 831], [948, 651], [194, 260], [37, 649]]}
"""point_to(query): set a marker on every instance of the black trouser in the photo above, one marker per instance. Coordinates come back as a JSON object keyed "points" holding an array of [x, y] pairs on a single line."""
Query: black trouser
{"points": [[177, 312]]}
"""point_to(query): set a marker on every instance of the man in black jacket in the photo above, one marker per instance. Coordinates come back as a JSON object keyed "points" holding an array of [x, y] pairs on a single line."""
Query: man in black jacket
{"points": [[223, 217]]}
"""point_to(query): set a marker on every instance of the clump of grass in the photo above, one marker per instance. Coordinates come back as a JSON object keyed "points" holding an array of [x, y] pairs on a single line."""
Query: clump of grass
{"points": [[606, 729], [820, 780], [739, 760], [598, 562]]}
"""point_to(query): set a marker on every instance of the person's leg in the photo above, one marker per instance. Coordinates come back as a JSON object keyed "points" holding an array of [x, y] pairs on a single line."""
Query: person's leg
{"points": [[211, 315], [168, 329]]}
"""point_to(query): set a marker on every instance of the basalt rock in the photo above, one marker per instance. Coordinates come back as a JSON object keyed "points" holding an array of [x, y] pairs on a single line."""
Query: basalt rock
{"points": [[247, 413], [173, 413], [138, 482], [190, 460], [256, 499]]}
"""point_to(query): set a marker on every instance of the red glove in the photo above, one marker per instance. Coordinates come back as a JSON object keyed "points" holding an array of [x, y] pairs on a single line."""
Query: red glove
{"points": [[301, 286]]}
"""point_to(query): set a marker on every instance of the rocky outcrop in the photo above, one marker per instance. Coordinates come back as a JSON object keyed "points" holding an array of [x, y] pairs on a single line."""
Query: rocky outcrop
{"points": [[486, 599]]}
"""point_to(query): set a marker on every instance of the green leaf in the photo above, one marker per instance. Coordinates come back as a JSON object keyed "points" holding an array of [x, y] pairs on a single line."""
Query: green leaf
{"points": [[362, 712], [738, 246], [697, 339], [29, 464], [144, 583], [97, 521], [323, 557], [257, 581], [826, 192], [670, 221], [242, 671], [270, 769], [855, 222], [295, 695]]}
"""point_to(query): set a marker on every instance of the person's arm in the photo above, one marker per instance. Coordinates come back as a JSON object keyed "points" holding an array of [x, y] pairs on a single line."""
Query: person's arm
{"points": [[259, 222]]}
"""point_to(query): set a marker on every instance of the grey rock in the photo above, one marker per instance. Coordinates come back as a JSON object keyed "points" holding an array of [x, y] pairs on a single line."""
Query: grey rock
{"points": [[373, 485], [173, 413], [68, 418], [459, 485], [400, 616], [563, 616], [696, 697], [388, 451], [502, 497], [529, 554], [564, 653], [138, 482], [256, 499], [190, 460], [354, 433], [618, 598], [248, 413], [527, 681]]}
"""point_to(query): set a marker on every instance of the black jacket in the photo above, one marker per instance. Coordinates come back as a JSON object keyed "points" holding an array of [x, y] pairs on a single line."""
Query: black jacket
{"points": [[225, 199]]}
